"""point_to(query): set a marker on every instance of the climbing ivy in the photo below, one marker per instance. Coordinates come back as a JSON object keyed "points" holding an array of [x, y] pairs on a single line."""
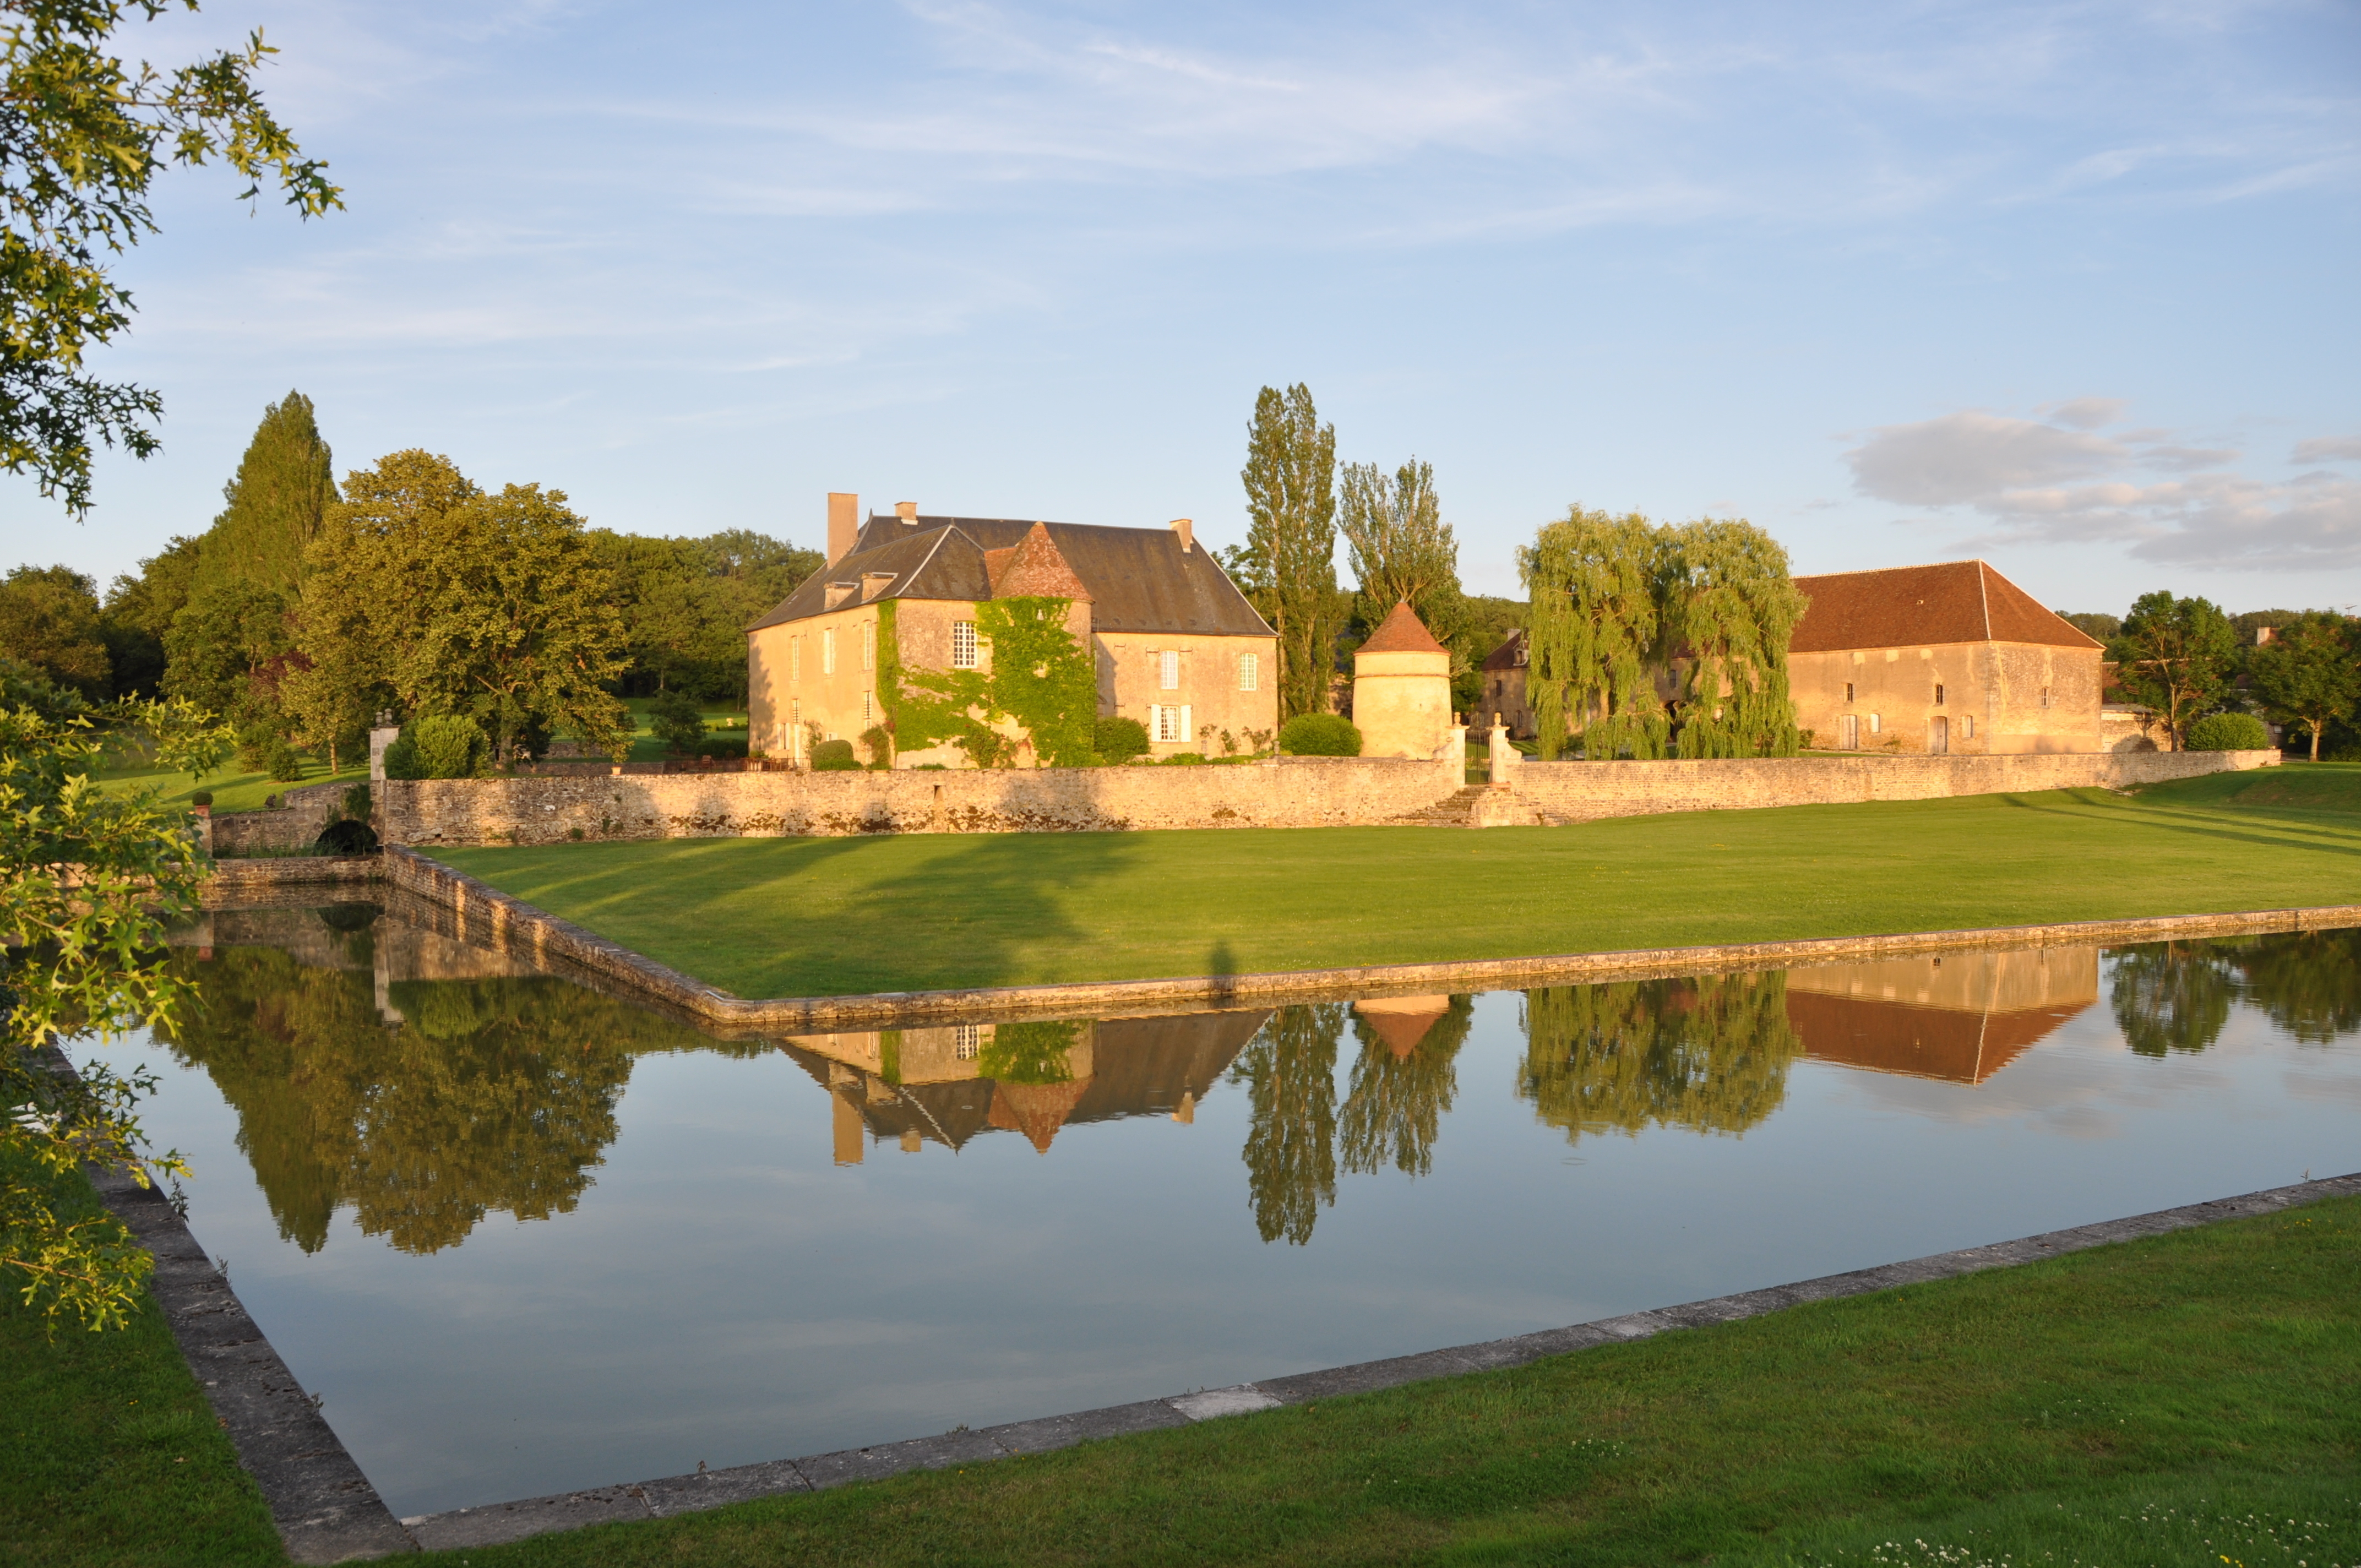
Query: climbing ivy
{"points": [[1041, 676]]}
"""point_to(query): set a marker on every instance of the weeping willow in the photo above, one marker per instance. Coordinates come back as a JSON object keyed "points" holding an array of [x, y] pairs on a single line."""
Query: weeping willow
{"points": [[1735, 607], [1596, 638], [1709, 1054]]}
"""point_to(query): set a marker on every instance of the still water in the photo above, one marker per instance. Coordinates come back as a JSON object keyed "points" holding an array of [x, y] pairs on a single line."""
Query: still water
{"points": [[524, 1237]]}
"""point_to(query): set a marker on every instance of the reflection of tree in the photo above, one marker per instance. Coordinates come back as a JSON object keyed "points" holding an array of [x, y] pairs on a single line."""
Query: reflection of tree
{"points": [[1708, 1054], [497, 1095], [1395, 1103], [2171, 996], [2309, 982], [1290, 1071]]}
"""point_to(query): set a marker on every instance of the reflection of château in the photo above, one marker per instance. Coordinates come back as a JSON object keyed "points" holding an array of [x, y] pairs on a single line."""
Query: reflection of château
{"points": [[1961, 1017], [951, 1083]]}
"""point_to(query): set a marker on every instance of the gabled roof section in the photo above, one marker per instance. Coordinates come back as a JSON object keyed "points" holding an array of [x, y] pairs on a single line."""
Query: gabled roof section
{"points": [[1401, 633], [1136, 579], [1033, 568], [1509, 655], [1903, 607]]}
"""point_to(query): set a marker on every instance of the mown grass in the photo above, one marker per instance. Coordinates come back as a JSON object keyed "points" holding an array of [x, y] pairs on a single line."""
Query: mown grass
{"points": [[233, 790], [2186, 1399], [796, 916], [108, 1450]]}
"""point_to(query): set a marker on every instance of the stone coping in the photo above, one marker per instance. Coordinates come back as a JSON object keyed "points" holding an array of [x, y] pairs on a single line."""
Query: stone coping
{"points": [[497, 1522], [486, 916], [326, 1509]]}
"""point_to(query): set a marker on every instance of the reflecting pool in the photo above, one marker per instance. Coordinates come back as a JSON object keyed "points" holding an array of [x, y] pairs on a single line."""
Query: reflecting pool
{"points": [[523, 1236]]}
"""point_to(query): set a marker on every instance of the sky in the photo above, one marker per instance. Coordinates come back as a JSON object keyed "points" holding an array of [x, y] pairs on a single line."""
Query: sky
{"points": [[2070, 286]]}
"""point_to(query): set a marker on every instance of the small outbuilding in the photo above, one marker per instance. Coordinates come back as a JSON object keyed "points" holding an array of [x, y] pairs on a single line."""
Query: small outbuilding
{"points": [[1401, 689]]}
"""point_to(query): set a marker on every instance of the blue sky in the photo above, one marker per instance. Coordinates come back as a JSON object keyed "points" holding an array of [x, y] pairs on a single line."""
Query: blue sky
{"points": [[2070, 286]]}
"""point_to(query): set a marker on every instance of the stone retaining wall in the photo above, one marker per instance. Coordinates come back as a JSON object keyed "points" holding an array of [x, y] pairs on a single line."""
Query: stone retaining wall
{"points": [[293, 824], [1585, 792], [1287, 792]]}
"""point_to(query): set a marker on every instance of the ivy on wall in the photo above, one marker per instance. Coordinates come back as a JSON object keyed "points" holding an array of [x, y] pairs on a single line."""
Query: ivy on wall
{"points": [[1029, 1053], [1041, 676]]}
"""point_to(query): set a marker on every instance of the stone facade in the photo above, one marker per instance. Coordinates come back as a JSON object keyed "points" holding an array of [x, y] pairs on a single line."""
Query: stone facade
{"points": [[1401, 689], [293, 825]]}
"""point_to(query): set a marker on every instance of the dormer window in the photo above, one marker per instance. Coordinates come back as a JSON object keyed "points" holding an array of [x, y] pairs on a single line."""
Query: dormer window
{"points": [[834, 594], [873, 584]]}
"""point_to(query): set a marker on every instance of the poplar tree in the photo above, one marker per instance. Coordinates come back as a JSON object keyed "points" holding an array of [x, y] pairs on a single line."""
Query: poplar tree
{"points": [[1595, 638], [1401, 549], [1290, 550], [1289, 1072], [1735, 606], [277, 499]]}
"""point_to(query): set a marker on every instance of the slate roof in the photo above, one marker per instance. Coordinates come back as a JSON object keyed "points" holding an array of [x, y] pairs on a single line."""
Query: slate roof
{"points": [[1509, 655], [1137, 579], [1401, 633], [1904, 607]]}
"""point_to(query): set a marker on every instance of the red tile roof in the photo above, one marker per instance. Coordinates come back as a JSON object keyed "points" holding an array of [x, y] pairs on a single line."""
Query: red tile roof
{"points": [[1401, 633], [1904, 607]]}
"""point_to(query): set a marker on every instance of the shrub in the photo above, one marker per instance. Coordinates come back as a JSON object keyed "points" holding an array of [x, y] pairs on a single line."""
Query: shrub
{"points": [[879, 745], [677, 723], [357, 803], [285, 766], [717, 746], [1320, 735], [1183, 759], [254, 744], [201, 797], [2228, 732], [575, 834], [448, 746], [834, 757], [1119, 740]]}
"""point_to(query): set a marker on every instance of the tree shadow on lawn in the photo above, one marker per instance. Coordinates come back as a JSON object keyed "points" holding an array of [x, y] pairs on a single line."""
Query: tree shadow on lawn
{"points": [[2196, 822], [980, 910]]}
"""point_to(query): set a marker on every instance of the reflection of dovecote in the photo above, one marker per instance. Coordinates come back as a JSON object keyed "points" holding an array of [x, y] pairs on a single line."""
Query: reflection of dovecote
{"points": [[1961, 1017], [1402, 1022], [1128, 1067]]}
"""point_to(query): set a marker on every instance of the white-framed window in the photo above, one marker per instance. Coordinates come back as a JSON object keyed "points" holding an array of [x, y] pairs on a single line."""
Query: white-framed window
{"points": [[1249, 671], [967, 1041], [1876, 723], [1169, 722], [963, 645], [827, 651], [1168, 670], [868, 644], [795, 659]]}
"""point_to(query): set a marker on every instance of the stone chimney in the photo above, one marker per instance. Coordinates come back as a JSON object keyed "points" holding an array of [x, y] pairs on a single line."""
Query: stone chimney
{"points": [[843, 525], [1187, 533], [907, 510]]}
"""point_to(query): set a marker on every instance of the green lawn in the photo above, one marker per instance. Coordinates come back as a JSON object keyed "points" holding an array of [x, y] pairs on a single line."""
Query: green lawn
{"points": [[804, 917], [233, 791]]}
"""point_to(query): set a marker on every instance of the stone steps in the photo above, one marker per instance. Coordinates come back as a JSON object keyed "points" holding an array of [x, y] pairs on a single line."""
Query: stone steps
{"points": [[1458, 811]]}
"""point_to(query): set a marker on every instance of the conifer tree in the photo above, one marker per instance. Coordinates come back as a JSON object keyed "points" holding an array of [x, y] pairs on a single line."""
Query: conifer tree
{"points": [[1290, 551], [277, 499]]}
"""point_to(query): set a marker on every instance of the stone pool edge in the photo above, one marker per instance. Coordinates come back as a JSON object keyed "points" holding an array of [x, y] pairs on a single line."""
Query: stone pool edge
{"points": [[486, 916], [495, 1523], [323, 1506]]}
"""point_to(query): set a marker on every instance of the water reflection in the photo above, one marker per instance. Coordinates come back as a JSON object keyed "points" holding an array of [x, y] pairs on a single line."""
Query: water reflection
{"points": [[425, 1083]]}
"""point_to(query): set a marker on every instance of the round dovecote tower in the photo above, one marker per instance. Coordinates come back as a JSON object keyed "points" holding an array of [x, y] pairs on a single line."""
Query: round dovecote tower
{"points": [[1401, 689]]}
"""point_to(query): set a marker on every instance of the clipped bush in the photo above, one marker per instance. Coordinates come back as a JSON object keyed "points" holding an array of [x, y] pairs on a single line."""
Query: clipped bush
{"points": [[834, 757], [2229, 732], [1182, 759], [1320, 735], [448, 746], [201, 797], [286, 767], [677, 722], [721, 746], [1119, 740]]}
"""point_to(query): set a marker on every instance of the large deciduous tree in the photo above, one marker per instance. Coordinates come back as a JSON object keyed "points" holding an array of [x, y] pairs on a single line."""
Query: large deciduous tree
{"points": [[2309, 674], [139, 611], [1290, 558], [278, 500], [2175, 656], [454, 600], [1401, 549], [221, 641], [49, 620], [1595, 639], [1736, 607], [83, 136]]}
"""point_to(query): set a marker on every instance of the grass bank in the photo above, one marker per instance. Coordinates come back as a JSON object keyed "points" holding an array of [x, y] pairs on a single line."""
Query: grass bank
{"points": [[801, 916], [2193, 1398]]}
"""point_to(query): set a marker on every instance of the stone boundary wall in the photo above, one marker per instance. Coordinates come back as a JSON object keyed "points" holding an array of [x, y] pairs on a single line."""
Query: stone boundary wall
{"points": [[1557, 792], [486, 917], [303, 813], [495, 1523], [1286, 792]]}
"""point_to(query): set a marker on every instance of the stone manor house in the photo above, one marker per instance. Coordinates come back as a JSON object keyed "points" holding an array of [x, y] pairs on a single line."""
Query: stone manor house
{"points": [[1177, 646]]}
